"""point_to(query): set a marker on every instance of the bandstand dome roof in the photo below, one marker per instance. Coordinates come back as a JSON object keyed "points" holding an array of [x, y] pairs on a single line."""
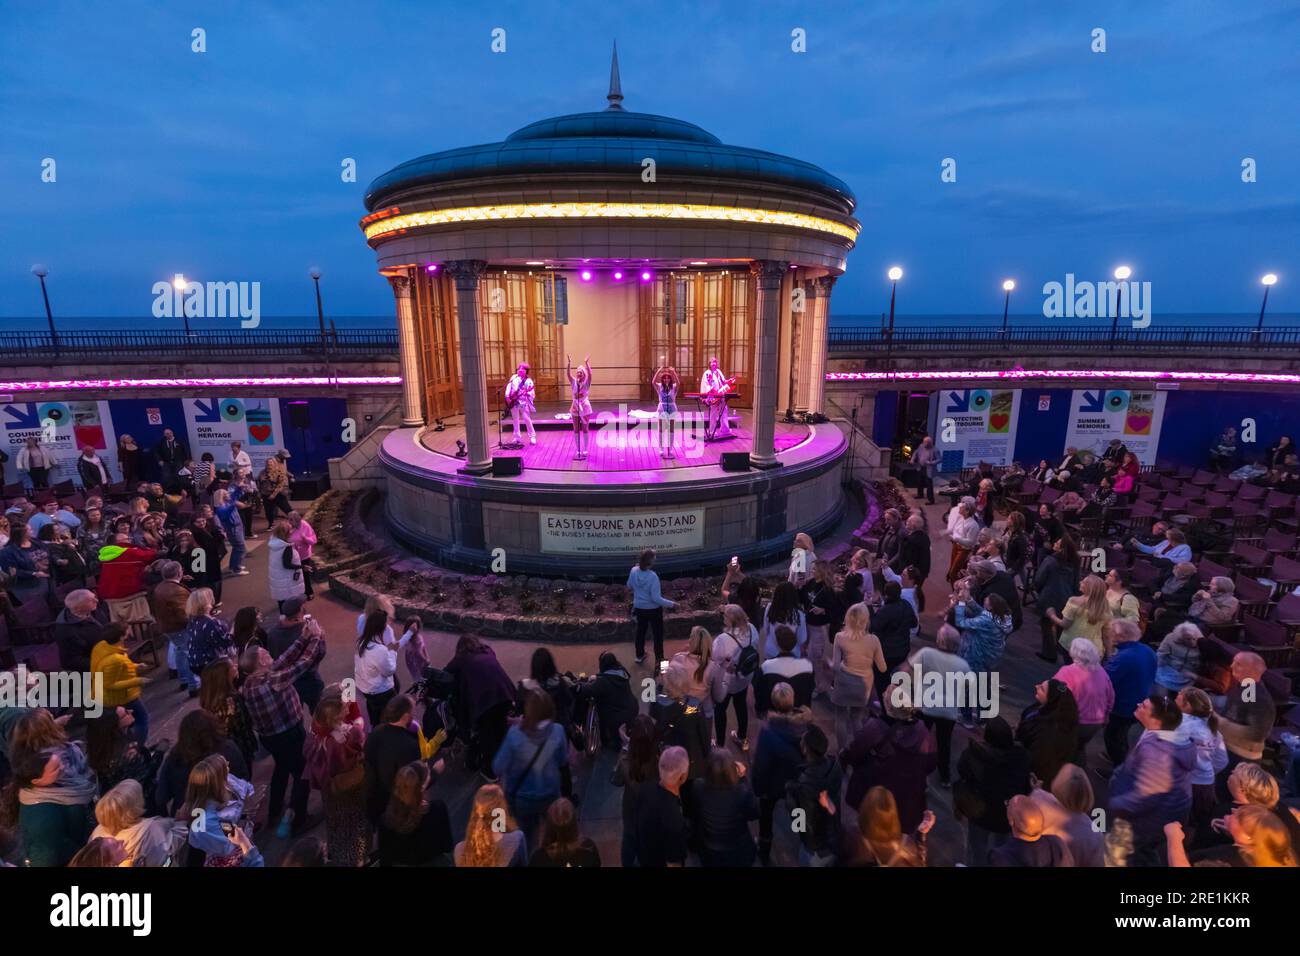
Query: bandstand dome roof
{"points": [[612, 140]]}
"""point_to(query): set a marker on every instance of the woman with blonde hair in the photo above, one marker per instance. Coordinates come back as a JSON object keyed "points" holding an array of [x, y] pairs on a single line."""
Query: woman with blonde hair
{"points": [[212, 809], [736, 652], [1259, 839], [120, 815], [580, 404], [207, 637], [881, 841], [705, 679], [1084, 615], [855, 657], [284, 566], [492, 838], [802, 559]]}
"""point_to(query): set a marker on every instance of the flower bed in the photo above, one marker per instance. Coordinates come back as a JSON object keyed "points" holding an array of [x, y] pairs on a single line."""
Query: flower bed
{"points": [[344, 540]]}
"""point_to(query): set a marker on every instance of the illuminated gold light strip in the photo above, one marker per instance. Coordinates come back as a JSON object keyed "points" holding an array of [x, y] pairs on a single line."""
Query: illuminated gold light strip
{"points": [[608, 210]]}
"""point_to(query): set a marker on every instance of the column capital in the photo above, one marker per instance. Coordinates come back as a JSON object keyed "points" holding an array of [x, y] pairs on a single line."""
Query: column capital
{"points": [[812, 289], [769, 272], [401, 285], [824, 284], [465, 273]]}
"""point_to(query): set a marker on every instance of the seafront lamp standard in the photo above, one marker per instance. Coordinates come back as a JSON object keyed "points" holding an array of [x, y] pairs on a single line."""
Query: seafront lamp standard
{"points": [[1268, 281], [895, 273], [1121, 275], [1007, 286], [179, 283], [41, 272], [320, 317]]}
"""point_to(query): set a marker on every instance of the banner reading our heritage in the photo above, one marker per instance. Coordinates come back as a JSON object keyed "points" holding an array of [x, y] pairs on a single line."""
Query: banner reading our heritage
{"points": [[568, 532], [63, 428], [975, 425], [1097, 415], [213, 423]]}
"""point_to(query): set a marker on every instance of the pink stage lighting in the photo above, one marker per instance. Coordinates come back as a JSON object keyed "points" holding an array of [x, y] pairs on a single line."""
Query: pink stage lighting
{"points": [[646, 276], [431, 267], [585, 275], [220, 384], [618, 276], [1023, 374]]}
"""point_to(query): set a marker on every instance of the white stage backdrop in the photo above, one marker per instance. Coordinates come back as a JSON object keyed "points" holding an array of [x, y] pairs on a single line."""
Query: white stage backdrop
{"points": [[71, 426], [1098, 415], [213, 423]]}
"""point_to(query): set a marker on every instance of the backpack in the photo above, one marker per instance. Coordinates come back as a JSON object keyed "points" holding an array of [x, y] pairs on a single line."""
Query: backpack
{"points": [[746, 662]]}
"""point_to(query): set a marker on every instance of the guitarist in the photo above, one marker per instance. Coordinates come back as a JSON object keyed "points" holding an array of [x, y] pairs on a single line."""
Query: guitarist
{"points": [[519, 400], [715, 386]]}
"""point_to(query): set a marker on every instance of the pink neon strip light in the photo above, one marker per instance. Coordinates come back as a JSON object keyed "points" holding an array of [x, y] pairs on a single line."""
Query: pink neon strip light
{"points": [[120, 384], [1023, 374]]}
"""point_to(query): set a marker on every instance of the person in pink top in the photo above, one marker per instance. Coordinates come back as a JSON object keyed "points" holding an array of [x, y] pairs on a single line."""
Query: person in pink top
{"points": [[1092, 690], [302, 538]]}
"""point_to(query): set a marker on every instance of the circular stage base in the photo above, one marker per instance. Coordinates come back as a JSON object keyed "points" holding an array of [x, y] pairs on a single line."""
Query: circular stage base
{"points": [[592, 517]]}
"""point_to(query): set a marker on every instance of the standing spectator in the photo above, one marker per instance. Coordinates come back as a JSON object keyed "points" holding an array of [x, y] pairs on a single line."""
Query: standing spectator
{"points": [[279, 639], [942, 716], [825, 617], [1067, 814], [963, 530], [648, 605], [92, 470], [128, 459], [1132, 669], [785, 668], [390, 745], [1029, 844], [891, 536], [855, 659], [1123, 602], [989, 773], [1200, 725], [1246, 711], [532, 760], [1049, 728], [219, 696], [239, 464], [984, 631], [637, 769], [121, 579], [374, 665], [1154, 784], [206, 636], [1055, 579], [208, 539], [198, 736], [987, 579], [892, 623], [1084, 616], [303, 538], [660, 826], [120, 814], [276, 711], [492, 839], [484, 693], [736, 651], [926, 459], [53, 787], [415, 829], [334, 755], [895, 751], [881, 842], [284, 566], [561, 843], [226, 506], [1093, 693], [37, 461], [167, 603], [1178, 661], [785, 609], [816, 792], [205, 475], [723, 806], [802, 559], [705, 679], [1223, 453], [77, 629], [121, 681], [170, 455], [273, 486], [777, 760], [914, 550]]}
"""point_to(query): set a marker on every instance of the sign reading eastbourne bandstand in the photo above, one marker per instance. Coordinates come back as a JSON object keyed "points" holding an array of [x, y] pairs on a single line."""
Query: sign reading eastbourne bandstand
{"points": [[665, 531]]}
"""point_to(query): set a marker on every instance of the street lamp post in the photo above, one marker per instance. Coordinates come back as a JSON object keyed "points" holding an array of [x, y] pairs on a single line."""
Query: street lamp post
{"points": [[1121, 274], [320, 317], [41, 272], [178, 282], [1268, 282], [895, 273], [1007, 286]]}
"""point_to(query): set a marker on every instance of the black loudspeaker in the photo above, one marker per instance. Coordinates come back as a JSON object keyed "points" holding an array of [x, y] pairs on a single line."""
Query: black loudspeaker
{"points": [[507, 466], [299, 415], [735, 461]]}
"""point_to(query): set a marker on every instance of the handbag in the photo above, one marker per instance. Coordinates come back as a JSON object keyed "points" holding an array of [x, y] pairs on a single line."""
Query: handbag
{"points": [[349, 779]]}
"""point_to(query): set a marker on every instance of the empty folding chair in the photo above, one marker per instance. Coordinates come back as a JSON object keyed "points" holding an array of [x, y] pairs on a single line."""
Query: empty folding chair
{"points": [[1276, 504], [1254, 597], [1207, 569], [1251, 492], [1250, 560], [1268, 639], [1227, 486], [1203, 478], [1285, 573]]}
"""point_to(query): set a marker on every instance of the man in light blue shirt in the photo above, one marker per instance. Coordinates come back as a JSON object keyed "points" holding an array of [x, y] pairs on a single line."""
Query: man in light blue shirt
{"points": [[50, 514]]}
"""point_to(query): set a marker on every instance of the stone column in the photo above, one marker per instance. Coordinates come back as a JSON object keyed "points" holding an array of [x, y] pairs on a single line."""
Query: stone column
{"points": [[768, 276], [465, 273], [408, 353], [820, 337]]}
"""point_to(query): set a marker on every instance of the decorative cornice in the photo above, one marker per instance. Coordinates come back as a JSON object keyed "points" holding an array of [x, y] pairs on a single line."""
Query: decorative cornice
{"points": [[401, 286], [769, 272], [465, 273], [824, 284]]}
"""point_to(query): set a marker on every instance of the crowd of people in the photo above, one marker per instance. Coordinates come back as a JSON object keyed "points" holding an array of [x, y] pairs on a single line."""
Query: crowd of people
{"points": [[824, 711]]}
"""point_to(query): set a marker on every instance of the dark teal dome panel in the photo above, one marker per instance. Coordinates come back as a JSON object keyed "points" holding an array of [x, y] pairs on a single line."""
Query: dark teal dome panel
{"points": [[614, 123]]}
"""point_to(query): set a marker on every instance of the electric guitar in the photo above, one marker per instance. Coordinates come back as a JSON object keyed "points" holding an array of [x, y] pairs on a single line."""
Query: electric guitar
{"points": [[513, 399], [718, 392]]}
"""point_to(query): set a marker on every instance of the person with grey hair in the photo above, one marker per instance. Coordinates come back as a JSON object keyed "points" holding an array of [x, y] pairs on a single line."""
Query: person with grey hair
{"points": [[1093, 692], [1171, 604], [941, 716], [1132, 669], [777, 760], [167, 603], [1215, 605], [77, 629], [1178, 659], [659, 823]]}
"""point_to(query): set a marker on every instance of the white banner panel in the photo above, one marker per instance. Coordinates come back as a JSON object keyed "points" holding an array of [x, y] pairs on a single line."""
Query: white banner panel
{"points": [[1097, 415], [571, 532], [213, 423], [975, 425], [64, 428]]}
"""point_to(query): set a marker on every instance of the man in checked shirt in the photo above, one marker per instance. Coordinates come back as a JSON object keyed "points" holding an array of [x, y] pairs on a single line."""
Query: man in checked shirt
{"points": [[276, 715]]}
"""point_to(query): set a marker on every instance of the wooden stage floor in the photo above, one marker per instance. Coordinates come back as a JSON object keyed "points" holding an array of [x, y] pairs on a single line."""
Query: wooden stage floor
{"points": [[615, 448]]}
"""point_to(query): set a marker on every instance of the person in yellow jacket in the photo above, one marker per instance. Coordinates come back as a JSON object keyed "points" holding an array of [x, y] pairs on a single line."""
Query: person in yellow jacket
{"points": [[121, 683]]}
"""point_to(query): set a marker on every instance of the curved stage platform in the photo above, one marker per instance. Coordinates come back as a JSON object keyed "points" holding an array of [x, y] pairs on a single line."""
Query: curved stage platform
{"points": [[593, 516]]}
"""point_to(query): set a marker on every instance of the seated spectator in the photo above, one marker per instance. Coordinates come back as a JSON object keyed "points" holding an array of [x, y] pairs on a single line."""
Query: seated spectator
{"points": [[1171, 603], [53, 787], [1029, 845], [99, 854], [784, 668], [1215, 605], [1174, 548], [1178, 661], [610, 692], [1067, 814]]}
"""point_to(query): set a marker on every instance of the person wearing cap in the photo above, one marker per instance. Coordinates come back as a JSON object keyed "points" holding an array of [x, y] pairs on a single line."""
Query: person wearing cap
{"points": [[281, 637], [273, 486]]}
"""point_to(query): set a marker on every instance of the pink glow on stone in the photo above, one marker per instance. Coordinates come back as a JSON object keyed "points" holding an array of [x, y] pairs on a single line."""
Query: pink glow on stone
{"points": [[1021, 374]]}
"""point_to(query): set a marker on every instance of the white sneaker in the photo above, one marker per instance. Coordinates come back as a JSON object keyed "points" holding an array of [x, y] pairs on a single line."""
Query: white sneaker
{"points": [[533, 439]]}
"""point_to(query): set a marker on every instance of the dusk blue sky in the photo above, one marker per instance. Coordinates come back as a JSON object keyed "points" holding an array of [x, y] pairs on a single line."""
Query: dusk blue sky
{"points": [[225, 165]]}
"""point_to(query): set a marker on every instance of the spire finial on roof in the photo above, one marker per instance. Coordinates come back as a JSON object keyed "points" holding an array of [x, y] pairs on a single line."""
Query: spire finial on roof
{"points": [[615, 95]]}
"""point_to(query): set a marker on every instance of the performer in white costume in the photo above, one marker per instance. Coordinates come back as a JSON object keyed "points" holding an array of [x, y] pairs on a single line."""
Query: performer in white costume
{"points": [[520, 394], [713, 381]]}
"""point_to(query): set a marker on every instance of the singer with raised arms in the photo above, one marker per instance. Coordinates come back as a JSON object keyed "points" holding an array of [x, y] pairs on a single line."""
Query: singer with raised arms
{"points": [[666, 382], [521, 401], [580, 407]]}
